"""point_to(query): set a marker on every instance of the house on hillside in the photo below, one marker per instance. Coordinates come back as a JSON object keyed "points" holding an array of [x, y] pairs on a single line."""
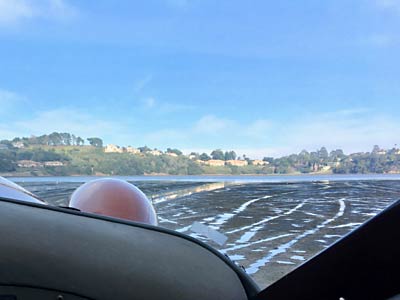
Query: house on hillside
{"points": [[172, 154], [132, 150], [18, 145], [53, 164], [110, 148], [214, 162], [237, 163], [326, 168], [29, 164], [155, 152], [259, 162]]}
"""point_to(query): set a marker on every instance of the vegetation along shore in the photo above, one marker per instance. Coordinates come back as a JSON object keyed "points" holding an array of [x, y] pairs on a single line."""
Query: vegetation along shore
{"points": [[62, 154]]}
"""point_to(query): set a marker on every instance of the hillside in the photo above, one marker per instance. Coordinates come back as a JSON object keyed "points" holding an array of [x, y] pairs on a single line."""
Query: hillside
{"points": [[64, 154]]}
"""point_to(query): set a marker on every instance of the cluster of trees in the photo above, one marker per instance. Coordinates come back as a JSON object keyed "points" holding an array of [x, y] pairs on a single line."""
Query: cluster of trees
{"points": [[215, 154], [373, 162], [304, 162], [176, 151], [54, 139], [376, 161]]}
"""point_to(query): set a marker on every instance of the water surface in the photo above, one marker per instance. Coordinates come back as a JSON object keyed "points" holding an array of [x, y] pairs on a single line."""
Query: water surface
{"points": [[273, 225]]}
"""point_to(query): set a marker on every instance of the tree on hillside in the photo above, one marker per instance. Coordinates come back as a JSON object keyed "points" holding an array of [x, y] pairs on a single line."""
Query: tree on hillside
{"points": [[376, 149], [204, 156], [268, 159], [66, 138], [218, 154], [76, 140], [144, 149], [95, 141], [80, 141], [195, 155], [323, 153], [73, 139], [176, 151], [54, 139], [231, 155], [336, 155]]}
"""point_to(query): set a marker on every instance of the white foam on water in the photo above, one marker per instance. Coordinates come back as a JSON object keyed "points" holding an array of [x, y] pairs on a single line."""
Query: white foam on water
{"points": [[210, 233], [159, 200], [369, 214], [225, 217], [236, 257], [346, 225], [298, 257], [163, 220], [321, 241], [283, 262], [179, 214], [247, 236], [269, 218], [183, 229], [187, 192], [196, 236], [255, 227], [328, 236], [298, 251], [236, 247], [255, 267], [314, 214], [222, 219], [217, 221]]}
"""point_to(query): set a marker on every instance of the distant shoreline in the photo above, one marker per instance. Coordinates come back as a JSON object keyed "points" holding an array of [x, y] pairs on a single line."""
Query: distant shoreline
{"points": [[24, 174], [278, 178]]}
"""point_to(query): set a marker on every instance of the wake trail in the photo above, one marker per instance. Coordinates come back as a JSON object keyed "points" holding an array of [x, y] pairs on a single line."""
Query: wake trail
{"points": [[223, 218], [269, 218], [217, 221], [236, 247], [254, 267]]}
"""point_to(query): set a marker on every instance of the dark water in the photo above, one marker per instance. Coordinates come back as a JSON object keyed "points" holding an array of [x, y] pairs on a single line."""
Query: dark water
{"points": [[272, 227]]}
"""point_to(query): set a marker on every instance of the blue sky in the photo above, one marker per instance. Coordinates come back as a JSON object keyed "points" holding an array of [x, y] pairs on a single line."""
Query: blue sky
{"points": [[260, 77]]}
